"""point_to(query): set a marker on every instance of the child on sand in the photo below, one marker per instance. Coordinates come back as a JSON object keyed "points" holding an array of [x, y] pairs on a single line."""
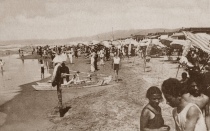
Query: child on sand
{"points": [[42, 69], [151, 118]]}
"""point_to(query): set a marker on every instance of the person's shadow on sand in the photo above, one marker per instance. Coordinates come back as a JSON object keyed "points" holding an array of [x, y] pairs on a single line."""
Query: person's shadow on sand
{"points": [[59, 112], [64, 110]]}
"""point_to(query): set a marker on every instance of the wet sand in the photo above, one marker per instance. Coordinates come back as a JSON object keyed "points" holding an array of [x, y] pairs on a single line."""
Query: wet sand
{"points": [[113, 107]]}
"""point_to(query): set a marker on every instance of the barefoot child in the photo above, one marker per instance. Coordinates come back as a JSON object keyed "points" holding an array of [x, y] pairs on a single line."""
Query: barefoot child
{"points": [[151, 118]]}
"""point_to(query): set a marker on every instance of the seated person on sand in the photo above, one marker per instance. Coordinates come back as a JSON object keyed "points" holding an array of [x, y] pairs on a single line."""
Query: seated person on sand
{"points": [[75, 80], [105, 81]]}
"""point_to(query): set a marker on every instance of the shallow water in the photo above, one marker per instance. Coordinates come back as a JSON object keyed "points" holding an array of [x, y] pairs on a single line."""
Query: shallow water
{"points": [[17, 72]]}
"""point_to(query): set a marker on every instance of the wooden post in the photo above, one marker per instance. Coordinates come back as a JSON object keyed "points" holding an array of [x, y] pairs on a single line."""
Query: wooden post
{"points": [[177, 70]]}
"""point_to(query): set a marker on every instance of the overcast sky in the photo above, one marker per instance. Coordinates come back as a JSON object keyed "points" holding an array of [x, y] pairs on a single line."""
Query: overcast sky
{"points": [[57, 19]]}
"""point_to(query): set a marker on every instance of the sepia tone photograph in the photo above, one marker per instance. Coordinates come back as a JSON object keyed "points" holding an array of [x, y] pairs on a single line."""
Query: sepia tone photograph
{"points": [[104, 65]]}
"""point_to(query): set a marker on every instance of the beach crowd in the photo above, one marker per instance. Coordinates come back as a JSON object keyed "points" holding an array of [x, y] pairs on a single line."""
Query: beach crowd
{"points": [[189, 96]]}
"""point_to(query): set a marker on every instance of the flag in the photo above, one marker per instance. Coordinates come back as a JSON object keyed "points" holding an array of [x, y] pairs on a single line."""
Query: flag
{"points": [[199, 40]]}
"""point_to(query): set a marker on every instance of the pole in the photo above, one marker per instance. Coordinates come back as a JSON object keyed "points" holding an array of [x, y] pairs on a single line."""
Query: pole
{"points": [[112, 34], [177, 70], [145, 63]]}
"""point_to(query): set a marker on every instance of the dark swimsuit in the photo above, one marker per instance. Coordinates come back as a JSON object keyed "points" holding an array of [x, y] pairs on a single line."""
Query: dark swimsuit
{"points": [[157, 121]]}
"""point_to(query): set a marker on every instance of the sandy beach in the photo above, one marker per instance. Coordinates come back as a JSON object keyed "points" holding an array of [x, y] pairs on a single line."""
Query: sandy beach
{"points": [[113, 107]]}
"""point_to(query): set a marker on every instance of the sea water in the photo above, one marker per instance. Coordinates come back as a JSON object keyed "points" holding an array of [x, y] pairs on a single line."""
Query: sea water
{"points": [[17, 72]]}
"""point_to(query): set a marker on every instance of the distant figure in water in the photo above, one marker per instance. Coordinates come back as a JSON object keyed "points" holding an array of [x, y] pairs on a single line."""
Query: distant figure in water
{"points": [[1, 64], [22, 58]]}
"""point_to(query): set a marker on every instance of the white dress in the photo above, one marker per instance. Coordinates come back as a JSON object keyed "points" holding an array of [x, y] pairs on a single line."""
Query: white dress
{"points": [[70, 57]]}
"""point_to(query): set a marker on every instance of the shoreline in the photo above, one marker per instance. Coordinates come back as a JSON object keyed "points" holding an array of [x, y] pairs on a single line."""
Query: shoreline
{"points": [[92, 105]]}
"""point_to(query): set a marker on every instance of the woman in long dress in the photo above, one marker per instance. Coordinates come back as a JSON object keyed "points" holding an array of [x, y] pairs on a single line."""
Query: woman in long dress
{"points": [[70, 57]]}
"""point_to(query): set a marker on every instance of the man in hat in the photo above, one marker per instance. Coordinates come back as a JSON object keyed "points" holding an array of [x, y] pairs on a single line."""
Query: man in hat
{"points": [[57, 79]]}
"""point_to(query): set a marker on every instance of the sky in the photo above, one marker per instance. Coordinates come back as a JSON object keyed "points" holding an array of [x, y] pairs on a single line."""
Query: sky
{"points": [[60, 19]]}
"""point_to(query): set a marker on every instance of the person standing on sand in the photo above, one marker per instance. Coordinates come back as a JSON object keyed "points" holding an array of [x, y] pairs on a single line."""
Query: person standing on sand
{"points": [[42, 69], [57, 79], [116, 65], [76, 53], [1, 64], [151, 117], [101, 54], [96, 60], [70, 54], [92, 61]]}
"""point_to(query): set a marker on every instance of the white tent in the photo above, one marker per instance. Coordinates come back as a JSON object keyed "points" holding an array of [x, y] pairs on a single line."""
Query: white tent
{"points": [[134, 42], [84, 42], [127, 41], [116, 43], [203, 35], [163, 37], [106, 43], [180, 42], [157, 42], [94, 42], [145, 42]]}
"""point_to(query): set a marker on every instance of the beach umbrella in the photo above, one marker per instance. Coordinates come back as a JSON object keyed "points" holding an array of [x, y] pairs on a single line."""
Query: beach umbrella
{"points": [[157, 43], [134, 42], [176, 35], [176, 46], [179, 43], [166, 41], [153, 37], [144, 42], [163, 37], [106, 44], [116, 43], [95, 42], [128, 41]]}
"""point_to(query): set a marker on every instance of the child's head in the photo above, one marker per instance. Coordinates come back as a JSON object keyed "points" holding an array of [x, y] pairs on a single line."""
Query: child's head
{"points": [[172, 90], [154, 95], [184, 75], [41, 61]]}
